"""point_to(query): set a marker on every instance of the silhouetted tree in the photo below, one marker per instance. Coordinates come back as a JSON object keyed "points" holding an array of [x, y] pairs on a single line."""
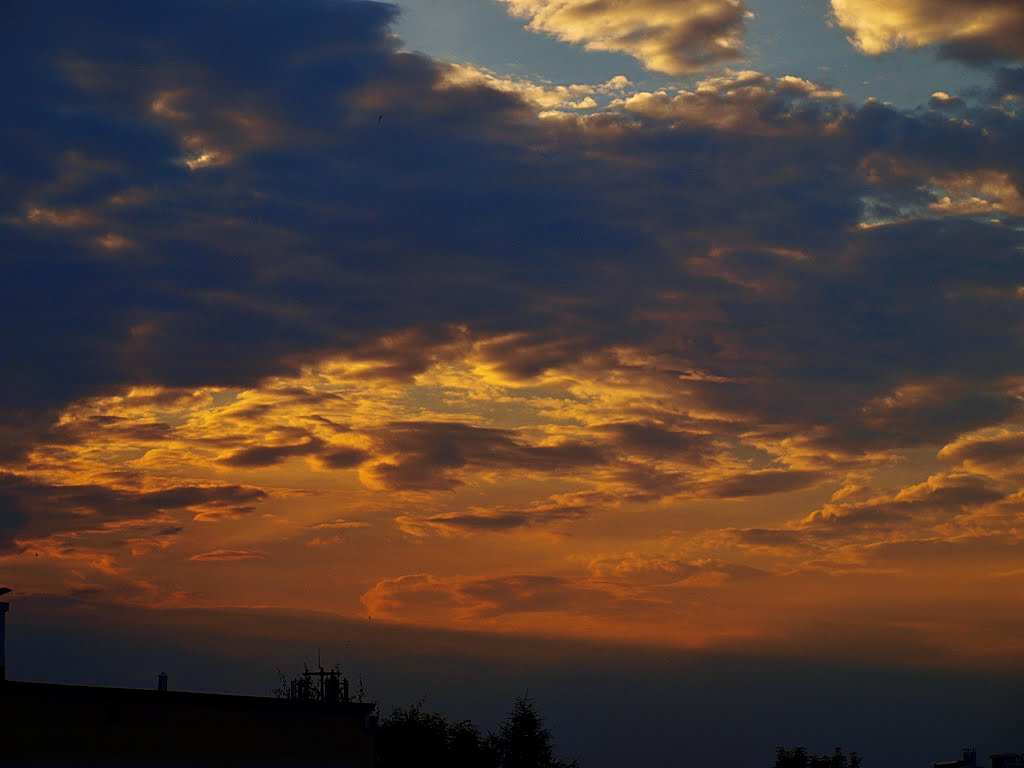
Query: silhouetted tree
{"points": [[522, 741], [791, 758], [467, 748], [412, 738], [799, 758]]}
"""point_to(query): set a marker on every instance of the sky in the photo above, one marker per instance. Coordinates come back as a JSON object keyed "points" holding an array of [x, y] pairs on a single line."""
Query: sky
{"points": [[668, 329]]}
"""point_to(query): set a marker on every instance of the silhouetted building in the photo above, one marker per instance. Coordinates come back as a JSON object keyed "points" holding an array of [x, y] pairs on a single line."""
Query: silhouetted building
{"points": [[969, 759], [76, 725], [72, 725], [4, 607]]}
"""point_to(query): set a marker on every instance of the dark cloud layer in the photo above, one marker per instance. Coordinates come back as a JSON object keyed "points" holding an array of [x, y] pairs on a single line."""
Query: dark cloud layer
{"points": [[548, 513], [762, 482], [202, 195], [322, 230], [427, 453], [268, 455], [31, 509]]}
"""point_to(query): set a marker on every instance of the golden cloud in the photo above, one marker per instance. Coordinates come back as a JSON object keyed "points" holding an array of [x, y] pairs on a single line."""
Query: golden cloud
{"points": [[977, 27], [984, 192], [545, 95], [672, 36], [746, 101]]}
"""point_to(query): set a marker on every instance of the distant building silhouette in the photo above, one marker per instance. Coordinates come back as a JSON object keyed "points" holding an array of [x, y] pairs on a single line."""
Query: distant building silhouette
{"points": [[4, 607], [969, 759], [76, 725]]}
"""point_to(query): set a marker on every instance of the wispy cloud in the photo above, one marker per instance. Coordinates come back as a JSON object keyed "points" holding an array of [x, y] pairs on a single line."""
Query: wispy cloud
{"points": [[227, 556]]}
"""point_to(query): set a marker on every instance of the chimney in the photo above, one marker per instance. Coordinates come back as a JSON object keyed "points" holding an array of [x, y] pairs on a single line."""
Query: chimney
{"points": [[161, 682], [4, 607]]}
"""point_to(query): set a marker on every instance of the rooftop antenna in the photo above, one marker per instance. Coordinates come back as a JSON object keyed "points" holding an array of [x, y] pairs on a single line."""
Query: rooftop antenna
{"points": [[4, 607], [320, 667]]}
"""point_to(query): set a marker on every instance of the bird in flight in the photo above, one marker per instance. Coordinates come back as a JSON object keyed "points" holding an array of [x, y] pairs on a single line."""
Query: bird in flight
{"points": [[381, 117]]}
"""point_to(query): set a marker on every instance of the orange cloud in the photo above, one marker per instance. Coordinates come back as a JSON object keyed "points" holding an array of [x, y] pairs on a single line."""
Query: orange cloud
{"points": [[227, 556]]}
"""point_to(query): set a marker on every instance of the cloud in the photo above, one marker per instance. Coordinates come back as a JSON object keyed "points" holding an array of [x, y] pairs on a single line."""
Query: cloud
{"points": [[260, 316], [428, 455], [504, 599], [549, 514], [953, 516], [340, 524], [37, 510], [532, 594], [746, 101], [911, 510], [227, 556], [546, 96], [1004, 448], [998, 455], [670, 571], [978, 193], [665, 36], [1009, 82], [761, 482], [268, 455], [589, 256], [216, 260], [966, 29], [343, 458], [390, 597], [619, 592], [655, 441], [769, 540]]}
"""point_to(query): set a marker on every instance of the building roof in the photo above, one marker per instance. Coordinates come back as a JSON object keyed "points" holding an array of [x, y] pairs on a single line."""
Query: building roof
{"points": [[22, 689]]}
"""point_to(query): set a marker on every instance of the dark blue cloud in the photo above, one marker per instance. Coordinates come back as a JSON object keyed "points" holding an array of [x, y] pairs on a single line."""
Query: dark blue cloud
{"points": [[306, 227]]}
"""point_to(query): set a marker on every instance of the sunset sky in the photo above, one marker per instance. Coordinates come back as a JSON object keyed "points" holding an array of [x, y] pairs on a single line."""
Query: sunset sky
{"points": [[681, 325]]}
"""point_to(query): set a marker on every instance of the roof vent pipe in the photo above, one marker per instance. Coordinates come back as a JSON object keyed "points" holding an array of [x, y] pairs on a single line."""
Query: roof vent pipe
{"points": [[4, 607]]}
